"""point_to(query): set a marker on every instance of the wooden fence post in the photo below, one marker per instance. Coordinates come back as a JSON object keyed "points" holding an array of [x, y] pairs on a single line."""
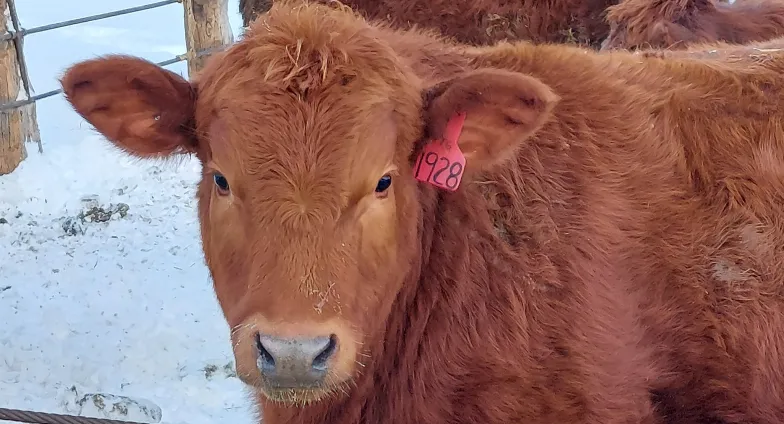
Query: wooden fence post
{"points": [[206, 27], [18, 125]]}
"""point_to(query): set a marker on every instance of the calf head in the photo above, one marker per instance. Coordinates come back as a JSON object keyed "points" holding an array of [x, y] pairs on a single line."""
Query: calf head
{"points": [[310, 215], [640, 24]]}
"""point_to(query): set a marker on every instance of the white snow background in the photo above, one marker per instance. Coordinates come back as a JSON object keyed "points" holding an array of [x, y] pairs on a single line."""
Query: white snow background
{"points": [[110, 319]]}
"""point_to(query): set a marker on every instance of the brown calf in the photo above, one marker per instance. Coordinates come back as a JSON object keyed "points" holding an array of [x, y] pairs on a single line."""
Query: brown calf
{"points": [[611, 255], [675, 24], [482, 22]]}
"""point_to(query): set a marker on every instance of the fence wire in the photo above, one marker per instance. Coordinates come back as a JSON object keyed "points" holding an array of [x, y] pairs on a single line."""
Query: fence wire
{"points": [[19, 44], [179, 58], [17, 34], [31, 417], [21, 62]]}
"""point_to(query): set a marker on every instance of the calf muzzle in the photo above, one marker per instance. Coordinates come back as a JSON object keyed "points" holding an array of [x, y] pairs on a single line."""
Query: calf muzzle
{"points": [[294, 363]]}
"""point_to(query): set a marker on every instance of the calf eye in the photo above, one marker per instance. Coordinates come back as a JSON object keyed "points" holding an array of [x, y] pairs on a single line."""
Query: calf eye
{"points": [[221, 183], [383, 185]]}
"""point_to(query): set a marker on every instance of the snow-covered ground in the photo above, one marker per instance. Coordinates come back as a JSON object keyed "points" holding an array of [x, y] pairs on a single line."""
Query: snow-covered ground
{"points": [[104, 295]]}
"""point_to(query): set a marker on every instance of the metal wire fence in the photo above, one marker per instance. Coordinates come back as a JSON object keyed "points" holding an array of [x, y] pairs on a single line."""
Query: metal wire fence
{"points": [[17, 36], [32, 417]]}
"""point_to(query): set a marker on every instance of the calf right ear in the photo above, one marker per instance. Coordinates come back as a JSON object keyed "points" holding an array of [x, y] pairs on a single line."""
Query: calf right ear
{"points": [[502, 108], [140, 107]]}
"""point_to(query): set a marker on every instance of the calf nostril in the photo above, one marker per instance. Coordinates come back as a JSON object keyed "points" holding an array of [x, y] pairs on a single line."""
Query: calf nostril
{"points": [[266, 360], [320, 361]]}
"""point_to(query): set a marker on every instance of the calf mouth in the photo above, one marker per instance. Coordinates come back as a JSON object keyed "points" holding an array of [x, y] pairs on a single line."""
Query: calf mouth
{"points": [[295, 364], [298, 397]]}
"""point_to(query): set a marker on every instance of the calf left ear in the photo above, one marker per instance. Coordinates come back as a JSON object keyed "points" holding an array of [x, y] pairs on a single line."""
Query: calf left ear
{"points": [[502, 109], [138, 106]]}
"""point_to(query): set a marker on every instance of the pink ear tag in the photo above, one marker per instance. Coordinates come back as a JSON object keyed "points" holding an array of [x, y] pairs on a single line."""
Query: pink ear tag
{"points": [[441, 163]]}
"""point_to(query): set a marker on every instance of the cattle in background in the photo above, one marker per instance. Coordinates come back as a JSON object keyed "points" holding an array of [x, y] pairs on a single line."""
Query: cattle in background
{"points": [[749, 53], [675, 24], [596, 237], [482, 22]]}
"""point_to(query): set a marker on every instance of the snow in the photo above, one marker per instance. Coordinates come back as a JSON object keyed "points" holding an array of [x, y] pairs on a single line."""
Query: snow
{"points": [[107, 305]]}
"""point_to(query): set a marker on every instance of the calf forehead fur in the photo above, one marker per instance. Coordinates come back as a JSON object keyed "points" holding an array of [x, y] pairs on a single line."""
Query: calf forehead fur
{"points": [[318, 114], [288, 69]]}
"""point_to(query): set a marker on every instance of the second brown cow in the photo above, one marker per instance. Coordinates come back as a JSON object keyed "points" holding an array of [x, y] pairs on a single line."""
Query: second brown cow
{"points": [[605, 250], [676, 24], [482, 22]]}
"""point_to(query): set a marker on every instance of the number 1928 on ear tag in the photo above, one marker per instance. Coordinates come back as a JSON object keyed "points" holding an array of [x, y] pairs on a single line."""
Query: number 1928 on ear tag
{"points": [[441, 163]]}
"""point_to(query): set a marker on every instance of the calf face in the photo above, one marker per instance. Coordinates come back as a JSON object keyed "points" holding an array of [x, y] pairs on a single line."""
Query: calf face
{"points": [[309, 211]]}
